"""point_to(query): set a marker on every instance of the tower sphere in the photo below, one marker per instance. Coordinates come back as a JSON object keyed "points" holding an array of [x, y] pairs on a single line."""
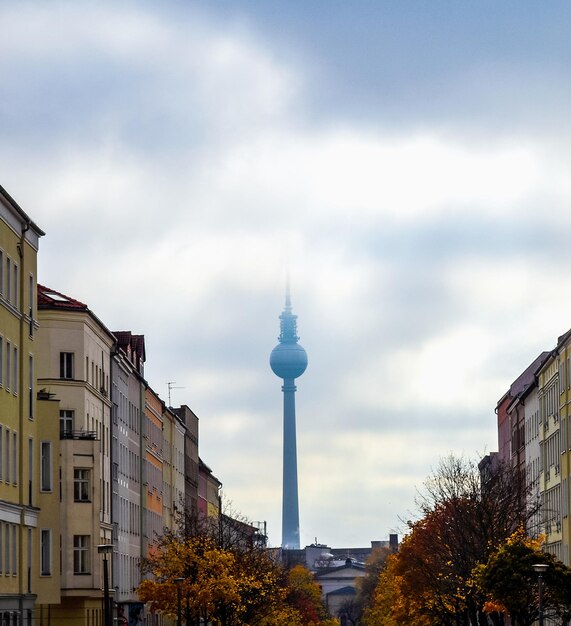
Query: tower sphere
{"points": [[288, 360]]}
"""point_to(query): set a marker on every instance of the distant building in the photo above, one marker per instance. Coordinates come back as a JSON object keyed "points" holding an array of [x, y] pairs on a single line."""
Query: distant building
{"points": [[127, 389], [208, 491], [533, 418], [336, 569], [318, 556], [518, 436], [174, 432], [338, 584], [152, 478], [552, 395], [510, 421], [190, 421]]}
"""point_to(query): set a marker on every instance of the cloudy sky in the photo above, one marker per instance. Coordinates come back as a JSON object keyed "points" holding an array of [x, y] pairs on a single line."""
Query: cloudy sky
{"points": [[407, 162]]}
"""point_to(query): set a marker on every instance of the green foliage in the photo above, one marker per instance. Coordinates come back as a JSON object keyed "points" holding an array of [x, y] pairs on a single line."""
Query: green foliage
{"points": [[510, 582], [430, 581]]}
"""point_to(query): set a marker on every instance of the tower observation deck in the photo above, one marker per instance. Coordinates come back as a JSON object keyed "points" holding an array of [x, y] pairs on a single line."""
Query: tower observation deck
{"points": [[288, 360]]}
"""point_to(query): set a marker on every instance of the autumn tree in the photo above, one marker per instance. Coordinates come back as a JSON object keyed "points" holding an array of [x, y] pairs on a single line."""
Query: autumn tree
{"points": [[392, 604], [462, 522], [227, 577], [352, 609], [510, 582], [208, 578], [304, 595], [367, 584]]}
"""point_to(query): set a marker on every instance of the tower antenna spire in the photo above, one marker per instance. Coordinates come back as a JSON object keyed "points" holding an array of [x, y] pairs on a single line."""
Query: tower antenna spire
{"points": [[288, 295]]}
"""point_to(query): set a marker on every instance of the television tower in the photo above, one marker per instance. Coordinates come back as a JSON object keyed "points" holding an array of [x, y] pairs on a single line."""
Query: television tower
{"points": [[288, 360]]}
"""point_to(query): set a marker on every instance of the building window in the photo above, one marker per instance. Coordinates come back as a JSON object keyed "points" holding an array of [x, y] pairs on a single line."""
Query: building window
{"points": [[8, 367], [16, 377], [81, 491], [30, 470], [31, 292], [1, 273], [31, 386], [66, 364], [46, 465], [7, 455], [1, 459], [15, 294], [14, 550], [81, 554], [30, 555], [1, 361], [65, 424], [7, 549], [14, 458], [45, 552], [8, 278]]}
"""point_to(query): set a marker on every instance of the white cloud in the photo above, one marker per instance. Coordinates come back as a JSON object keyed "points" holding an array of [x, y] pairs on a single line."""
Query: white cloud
{"points": [[186, 178]]}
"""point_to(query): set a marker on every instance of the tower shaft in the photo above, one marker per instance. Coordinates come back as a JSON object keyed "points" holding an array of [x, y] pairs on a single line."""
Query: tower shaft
{"points": [[288, 360], [290, 502]]}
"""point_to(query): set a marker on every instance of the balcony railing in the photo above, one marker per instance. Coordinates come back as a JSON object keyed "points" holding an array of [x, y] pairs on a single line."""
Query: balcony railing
{"points": [[78, 434]]}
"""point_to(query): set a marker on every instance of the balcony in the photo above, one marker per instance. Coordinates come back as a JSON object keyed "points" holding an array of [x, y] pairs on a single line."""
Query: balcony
{"points": [[78, 434]]}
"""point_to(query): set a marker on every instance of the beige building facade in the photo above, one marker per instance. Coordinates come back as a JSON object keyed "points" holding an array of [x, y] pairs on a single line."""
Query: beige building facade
{"points": [[73, 366], [173, 467]]}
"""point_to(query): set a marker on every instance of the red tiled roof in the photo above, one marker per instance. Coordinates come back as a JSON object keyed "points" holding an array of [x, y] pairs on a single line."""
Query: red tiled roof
{"points": [[136, 343], [51, 299], [123, 338]]}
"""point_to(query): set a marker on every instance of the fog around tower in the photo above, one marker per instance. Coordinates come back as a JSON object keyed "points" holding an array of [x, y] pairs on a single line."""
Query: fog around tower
{"points": [[407, 161]]}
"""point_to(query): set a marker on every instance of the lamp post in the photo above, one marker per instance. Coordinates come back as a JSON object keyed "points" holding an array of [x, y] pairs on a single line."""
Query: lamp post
{"points": [[540, 569], [178, 610], [105, 549]]}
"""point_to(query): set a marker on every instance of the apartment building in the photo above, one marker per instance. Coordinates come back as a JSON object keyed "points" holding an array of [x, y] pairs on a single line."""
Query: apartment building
{"points": [[152, 495], [190, 420], [534, 418], [208, 492], [26, 455], [127, 395], [530, 401], [550, 455], [73, 366], [174, 434], [564, 375], [89, 453]]}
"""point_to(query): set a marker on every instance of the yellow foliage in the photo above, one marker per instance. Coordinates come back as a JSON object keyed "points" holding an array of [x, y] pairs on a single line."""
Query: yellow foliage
{"points": [[494, 607]]}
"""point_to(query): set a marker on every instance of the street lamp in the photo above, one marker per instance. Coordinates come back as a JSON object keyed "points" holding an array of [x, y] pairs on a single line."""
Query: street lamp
{"points": [[105, 549], [178, 611], [540, 569]]}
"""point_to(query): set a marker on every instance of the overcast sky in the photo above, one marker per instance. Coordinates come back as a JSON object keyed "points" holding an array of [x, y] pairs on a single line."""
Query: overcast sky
{"points": [[407, 161]]}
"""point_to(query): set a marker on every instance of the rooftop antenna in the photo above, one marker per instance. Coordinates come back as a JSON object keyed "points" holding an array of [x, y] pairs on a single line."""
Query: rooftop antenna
{"points": [[171, 385]]}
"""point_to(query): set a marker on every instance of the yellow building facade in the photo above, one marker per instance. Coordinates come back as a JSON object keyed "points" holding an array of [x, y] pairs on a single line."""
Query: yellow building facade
{"points": [[26, 451], [554, 393]]}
